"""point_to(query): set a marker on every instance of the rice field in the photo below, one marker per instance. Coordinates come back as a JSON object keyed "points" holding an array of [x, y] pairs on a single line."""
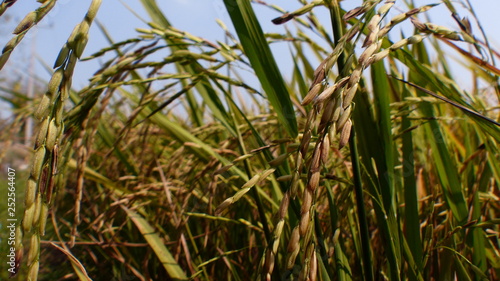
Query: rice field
{"points": [[187, 158]]}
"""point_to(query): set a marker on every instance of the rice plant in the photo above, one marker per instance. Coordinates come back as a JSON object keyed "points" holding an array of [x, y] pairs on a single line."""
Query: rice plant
{"points": [[369, 160]]}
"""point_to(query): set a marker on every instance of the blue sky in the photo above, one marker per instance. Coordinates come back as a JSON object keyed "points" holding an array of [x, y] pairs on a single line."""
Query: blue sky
{"points": [[195, 16]]}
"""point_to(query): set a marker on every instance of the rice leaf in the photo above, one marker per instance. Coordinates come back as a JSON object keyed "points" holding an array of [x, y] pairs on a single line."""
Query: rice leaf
{"points": [[173, 269]]}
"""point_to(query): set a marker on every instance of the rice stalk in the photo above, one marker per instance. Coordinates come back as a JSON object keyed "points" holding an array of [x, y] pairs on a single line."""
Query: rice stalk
{"points": [[50, 138]]}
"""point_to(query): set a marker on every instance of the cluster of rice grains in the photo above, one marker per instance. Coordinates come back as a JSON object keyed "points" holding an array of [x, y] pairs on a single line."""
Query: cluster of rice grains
{"points": [[50, 111], [330, 116]]}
